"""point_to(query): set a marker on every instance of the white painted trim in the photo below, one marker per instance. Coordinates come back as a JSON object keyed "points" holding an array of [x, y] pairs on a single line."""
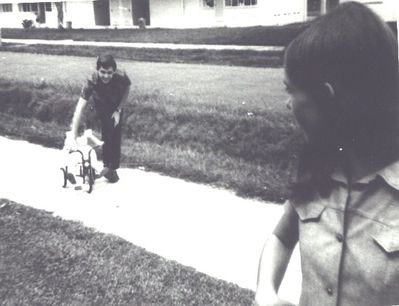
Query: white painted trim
{"points": [[397, 24]]}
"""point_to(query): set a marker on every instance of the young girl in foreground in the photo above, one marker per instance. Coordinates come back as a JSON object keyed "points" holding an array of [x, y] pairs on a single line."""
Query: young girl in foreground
{"points": [[342, 78]]}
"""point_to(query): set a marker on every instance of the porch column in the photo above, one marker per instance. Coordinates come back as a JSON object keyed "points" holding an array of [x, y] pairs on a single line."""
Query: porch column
{"points": [[305, 10], [323, 7], [397, 24], [219, 7]]}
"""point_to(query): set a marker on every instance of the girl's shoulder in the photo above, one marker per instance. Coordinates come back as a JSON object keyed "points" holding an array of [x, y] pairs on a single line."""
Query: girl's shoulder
{"points": [[308, 210]]}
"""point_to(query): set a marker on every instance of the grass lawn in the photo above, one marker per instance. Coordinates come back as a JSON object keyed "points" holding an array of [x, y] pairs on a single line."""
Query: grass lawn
{"points": [[48, 261], [236, 87], [256, 36], [263, 36], [215, 57], [278, 36], [225, 126]]}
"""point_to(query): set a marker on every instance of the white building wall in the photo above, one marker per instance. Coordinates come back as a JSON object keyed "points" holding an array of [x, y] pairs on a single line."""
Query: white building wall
{"points": [[14, 19], [80, 13], [166, 13], [385, 8], [191, 13], [196, 15], [186, 13], [121, 13], [266, 13], [51, 18]]}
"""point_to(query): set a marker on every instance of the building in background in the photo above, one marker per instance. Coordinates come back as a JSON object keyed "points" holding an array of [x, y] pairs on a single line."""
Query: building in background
{"points": [[385, 8], [173, 13]]}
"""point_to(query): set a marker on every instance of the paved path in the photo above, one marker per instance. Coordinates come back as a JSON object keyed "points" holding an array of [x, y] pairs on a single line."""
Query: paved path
{"points": [[140, 45], [209, 229]]}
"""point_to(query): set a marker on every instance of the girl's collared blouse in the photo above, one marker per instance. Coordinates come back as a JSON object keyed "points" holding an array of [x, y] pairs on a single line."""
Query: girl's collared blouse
{"points": [[349, 242]]}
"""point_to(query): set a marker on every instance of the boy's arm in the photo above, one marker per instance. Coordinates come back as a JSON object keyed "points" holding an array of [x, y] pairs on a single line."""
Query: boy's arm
{"points": [[124, 98], [77, 115], [272, 266], [116, 115]]}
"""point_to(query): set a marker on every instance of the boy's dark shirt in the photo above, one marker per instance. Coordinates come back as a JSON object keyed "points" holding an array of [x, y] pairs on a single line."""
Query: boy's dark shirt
{"points": [[106, 97]]}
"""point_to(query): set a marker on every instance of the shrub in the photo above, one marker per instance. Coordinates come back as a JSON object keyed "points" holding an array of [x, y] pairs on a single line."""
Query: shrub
{"points": [[27, 23]]}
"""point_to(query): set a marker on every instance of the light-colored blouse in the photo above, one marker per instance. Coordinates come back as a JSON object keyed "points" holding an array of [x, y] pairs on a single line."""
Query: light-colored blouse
{"points": [[349, 242]]}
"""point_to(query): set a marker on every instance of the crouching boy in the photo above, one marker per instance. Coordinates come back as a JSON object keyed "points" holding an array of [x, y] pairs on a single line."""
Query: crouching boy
{"points": [[109, 89]]}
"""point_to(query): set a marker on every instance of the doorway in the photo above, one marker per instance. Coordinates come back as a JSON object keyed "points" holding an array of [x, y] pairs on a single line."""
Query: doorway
{"points": [[41, 13], [141, 9], [219, 8], [319, 7], [101, 12]]}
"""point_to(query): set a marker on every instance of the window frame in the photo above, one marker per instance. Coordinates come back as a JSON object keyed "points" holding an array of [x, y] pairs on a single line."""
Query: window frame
{"points": [[48, 7], [240, 3], [205, 5], [6, 8], [28, 7]]}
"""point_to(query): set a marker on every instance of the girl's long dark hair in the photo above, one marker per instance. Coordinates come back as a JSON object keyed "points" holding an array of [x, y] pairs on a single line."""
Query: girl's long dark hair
{"points": [[352, 49]]}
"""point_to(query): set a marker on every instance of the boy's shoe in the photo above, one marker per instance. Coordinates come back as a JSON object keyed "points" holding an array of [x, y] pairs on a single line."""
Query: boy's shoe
{"points": [[103, 172], [112, 176], [71, 178]]}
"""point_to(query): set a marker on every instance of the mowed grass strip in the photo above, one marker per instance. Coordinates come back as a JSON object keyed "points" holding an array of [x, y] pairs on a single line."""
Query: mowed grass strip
{"points": [[49, 261], [257, 36], [263, 36], [249, 88], [246, 58]]}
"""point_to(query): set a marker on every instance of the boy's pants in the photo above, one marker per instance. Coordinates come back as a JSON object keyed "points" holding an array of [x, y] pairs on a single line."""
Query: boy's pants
{"points": [[112, 137]]}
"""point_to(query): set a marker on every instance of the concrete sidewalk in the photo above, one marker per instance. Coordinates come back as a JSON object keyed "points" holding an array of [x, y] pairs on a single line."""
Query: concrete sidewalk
{"points": [[209, 229], [141, 45]]}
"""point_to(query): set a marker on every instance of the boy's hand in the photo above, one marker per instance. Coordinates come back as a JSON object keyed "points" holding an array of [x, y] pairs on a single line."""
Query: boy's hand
{"points": [[116, 116], [70, 141]]}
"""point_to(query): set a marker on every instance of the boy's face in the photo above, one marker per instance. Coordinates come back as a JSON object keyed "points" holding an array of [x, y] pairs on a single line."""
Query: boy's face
{"points": [[105, 74]]}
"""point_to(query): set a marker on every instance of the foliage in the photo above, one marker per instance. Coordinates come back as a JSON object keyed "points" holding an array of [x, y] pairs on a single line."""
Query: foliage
{"points": [[27, 23]]}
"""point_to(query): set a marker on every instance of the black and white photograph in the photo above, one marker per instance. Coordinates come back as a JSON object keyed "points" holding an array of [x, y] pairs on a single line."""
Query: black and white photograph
{"points": [[199, 152]]}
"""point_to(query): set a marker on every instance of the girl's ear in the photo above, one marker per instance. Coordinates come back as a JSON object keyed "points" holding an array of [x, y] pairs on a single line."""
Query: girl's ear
{"points": [[330, 90]]}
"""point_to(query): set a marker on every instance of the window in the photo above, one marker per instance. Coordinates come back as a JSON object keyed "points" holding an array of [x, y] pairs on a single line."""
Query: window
{"points": [[48, 7], [6, 7], [28, 7], [314, 8], [34, 7], [208, 3], [240, 2]]}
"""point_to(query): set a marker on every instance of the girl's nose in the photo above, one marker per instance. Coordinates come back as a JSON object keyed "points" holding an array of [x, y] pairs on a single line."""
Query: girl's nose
{"points": [[288, 104]]}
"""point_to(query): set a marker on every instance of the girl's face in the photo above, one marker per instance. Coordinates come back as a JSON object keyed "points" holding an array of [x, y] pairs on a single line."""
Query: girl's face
{"points": [[305, 109]]}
